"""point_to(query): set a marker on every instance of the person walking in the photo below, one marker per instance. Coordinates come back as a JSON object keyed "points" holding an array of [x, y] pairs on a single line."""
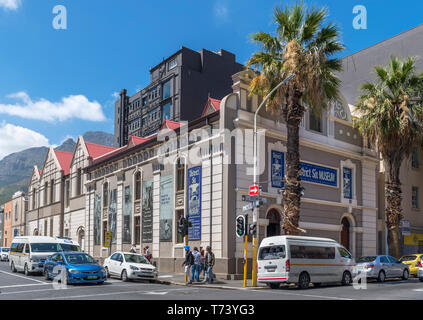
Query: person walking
{"points": [[203, 263], [147, 253], [188, 263], [210, 260], [133, 249], [197, 265]]}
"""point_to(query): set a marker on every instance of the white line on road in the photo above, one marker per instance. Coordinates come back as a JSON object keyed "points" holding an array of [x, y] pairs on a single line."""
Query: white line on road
{"points": [[305, 295], [24, 285], [23, 277]]}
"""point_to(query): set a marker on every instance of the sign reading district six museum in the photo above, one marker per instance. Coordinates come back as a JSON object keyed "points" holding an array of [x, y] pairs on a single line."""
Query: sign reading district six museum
{"points": [[310, 172], [194, 203]]}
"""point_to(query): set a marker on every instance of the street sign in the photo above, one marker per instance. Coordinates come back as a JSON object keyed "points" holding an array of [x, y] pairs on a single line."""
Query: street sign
{"points": [[254, 190], [250, 198], [107, 239], [248, 207], [405, 227]]}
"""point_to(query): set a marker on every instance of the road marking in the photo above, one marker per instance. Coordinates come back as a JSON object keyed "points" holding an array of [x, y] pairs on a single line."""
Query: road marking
{"points": [[23, 277], [24, 285], [417, 289], [165, 277], [305, 295]]}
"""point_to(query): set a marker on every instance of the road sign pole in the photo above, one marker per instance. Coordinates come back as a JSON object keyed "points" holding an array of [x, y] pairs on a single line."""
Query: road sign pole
{"points": [[186, 243], [245, 259]]}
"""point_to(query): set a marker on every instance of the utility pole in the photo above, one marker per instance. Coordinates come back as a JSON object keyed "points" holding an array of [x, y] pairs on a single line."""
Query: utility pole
{"points": [[255, 209]]}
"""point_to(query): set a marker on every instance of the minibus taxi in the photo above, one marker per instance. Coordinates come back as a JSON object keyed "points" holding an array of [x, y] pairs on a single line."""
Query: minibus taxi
{"points": [[303, 260], [28, 254]]}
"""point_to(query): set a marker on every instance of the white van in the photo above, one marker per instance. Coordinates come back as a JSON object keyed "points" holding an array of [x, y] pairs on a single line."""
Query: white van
{"points": [[28, 254], [301, 260]]}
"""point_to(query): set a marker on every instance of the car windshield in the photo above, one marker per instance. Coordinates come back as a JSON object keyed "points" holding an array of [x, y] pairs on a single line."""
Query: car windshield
{"points": [[82, 258], [367, 259], [272, 253], [70, 247], [136, 258], [5, 249], [408, 258], [44, 247]]}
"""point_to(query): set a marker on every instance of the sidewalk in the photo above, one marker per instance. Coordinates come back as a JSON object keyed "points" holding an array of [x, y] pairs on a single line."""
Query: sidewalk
{"points": [[179, 280]]}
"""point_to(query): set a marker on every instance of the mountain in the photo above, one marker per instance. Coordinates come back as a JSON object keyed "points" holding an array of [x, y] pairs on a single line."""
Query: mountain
{"points": [[16, 168]]}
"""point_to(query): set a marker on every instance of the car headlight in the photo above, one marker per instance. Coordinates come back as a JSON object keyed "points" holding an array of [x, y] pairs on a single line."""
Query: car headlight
{"points": [[134, 268], [73, 271], [34, 260]]}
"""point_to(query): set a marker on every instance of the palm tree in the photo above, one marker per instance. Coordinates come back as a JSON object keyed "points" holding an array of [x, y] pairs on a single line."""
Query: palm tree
{"points": [[390, 115], [303, 45]]}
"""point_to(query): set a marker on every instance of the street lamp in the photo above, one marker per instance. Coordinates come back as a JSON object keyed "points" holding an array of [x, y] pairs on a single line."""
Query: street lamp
{"points": [[254, 271]]}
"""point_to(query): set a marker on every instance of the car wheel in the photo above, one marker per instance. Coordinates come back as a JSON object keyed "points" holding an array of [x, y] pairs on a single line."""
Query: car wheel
{"points": [[381, 277], [46, 276], [346, 278], [304, 280], [421, 279], [405, 275], [124, 276], [26, 271], [100, 283], [274, 285], [107, 272], [12, 266]]}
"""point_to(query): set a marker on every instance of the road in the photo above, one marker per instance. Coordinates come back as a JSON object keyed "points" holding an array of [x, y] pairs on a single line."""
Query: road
{"points": [[16, 286]]}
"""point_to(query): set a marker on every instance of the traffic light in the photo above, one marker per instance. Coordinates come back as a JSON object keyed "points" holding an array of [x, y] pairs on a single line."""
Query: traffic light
{"points": [[240, 226], [253, 229]]}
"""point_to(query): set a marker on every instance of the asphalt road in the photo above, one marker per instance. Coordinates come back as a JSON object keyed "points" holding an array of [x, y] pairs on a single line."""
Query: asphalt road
{"points": [[16, 286]]}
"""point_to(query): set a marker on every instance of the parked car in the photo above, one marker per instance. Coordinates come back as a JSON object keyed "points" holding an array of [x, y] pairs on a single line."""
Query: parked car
{"points": [[382, 267], [4, 254], [414, 262], [79, 267], [301, 260], [127, 266], [420, 274]]}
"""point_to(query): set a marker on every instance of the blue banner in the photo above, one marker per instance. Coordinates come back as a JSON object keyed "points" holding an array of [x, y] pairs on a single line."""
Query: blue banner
{"points": [[194, 202], [319, 174], [277, 169], [347, 183]]}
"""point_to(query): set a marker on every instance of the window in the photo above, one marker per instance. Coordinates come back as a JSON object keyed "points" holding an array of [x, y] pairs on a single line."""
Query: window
{"points": [[344, 253], [172, 64], [144, 101], [179, 237], [384, 259], [79, 182], [415, 159], [415, 197], [67, 193], [16, 212], [180, 175], [45, 193], [137, 230], [138, 186], [272, 253], [347, 182], [315, 122], [45, 227], [51, 191], [166, 111], [34, 195], [166, 90], [392, 260], [309, 252], [106, 195]]}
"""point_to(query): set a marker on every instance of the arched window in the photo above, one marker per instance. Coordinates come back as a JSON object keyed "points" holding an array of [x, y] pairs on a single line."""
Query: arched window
{"points": [[180, 175], [106, 194], [138, 185]]}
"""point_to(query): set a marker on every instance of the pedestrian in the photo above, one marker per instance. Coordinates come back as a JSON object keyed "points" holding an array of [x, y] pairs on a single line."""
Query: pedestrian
{"points": [[203, 263], [133, 249], [197, 265], [210, 260], [188, 263], [147, 253]]}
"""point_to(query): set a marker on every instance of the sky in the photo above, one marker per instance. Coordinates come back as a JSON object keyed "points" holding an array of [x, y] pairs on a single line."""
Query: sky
{"points": [[60, 83]]}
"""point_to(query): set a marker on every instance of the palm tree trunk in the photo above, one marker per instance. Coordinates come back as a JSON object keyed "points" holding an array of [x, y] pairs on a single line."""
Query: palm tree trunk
{"points": [[393, 209], [292, 191]]}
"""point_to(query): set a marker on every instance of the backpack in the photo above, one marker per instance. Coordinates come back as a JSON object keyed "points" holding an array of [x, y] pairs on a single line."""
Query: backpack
{"points": [[191, 258]]}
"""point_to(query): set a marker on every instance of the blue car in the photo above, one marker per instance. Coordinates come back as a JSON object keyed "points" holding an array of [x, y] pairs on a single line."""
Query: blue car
{"points": [[80, 268]]}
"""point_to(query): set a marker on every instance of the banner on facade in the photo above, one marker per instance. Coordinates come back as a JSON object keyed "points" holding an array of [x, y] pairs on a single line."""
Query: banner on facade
{"points": [[97, 219], [166, 207], [347, 183], [113, 214], [319, 174], [405, 227], [147, 211], [127, 215], [277, 169], [194, 202]]}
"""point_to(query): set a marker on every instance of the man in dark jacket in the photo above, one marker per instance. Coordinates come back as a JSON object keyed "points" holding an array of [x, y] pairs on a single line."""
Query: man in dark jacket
{"points": [[210, 264], [188, 263]]}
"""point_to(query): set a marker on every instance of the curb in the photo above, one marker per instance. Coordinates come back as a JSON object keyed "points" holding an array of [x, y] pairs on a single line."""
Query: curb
{"points": [[209, 286]]}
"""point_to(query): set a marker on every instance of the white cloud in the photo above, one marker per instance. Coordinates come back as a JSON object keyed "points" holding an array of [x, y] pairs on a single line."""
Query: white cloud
{"points": [[74, 106], [116, 95], [10, 4], [14, 139], [221, 12]]}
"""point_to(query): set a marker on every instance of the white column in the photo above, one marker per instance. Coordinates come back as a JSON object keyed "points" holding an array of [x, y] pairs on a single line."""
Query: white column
{"points": [[156, 215], [369, 211]]}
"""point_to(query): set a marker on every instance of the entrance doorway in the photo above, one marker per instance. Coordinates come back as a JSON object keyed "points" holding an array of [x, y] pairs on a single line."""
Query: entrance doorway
{"points": [[274, 227], [345, 233]]}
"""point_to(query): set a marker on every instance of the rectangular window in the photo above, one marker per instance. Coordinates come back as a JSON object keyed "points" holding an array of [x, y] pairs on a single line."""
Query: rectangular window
{"points": [[179, 214], [45, 193], [166, 90], [52, 191], [172, 64], [34, 195], [51, 227], [67, 193], [138, 186], [127, 215], [79, 182], [144, 101], [315, 122], [309, 252], [137, 230], [180, 175], [415, 197], [415, 159], [166, 111], [45, 227], [104, 231]]}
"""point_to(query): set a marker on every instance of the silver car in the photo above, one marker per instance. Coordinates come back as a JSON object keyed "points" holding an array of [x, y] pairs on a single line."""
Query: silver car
{"points": [[382, 267], [4, 254]]}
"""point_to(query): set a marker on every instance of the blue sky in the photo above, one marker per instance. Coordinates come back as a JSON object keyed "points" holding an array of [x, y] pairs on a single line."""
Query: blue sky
{"points": [[111, 44]]}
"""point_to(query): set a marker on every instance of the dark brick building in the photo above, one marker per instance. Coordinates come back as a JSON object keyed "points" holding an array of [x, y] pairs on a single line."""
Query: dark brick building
{"points": [[178, 90]]}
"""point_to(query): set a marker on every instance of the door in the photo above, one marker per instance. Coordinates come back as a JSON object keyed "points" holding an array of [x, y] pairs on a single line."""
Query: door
{"points": [[345, 234], [386, 265], [396, 267], [274, 227], [112, 264], [19, 257]]}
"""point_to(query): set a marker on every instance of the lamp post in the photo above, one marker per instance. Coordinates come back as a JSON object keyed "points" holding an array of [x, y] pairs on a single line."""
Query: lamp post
{"points": [[254, 271]]}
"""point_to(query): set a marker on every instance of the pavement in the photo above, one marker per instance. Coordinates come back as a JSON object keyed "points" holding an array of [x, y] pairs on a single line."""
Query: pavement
{"points": [[16, 286]]}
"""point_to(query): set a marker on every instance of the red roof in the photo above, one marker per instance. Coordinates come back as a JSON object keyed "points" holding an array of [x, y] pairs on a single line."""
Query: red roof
{"points": [[97, 150], [172, 125], [134, 140], [211, 103], [40, 172], [65, 159]]}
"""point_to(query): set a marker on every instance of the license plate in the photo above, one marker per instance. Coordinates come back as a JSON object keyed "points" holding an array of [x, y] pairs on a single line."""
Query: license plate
{"points": [[92, 278]]}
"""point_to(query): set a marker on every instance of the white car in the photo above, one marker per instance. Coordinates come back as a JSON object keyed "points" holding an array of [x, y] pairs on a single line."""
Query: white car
{"points": [[127, 266], [420, 274], [4, 254]]}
